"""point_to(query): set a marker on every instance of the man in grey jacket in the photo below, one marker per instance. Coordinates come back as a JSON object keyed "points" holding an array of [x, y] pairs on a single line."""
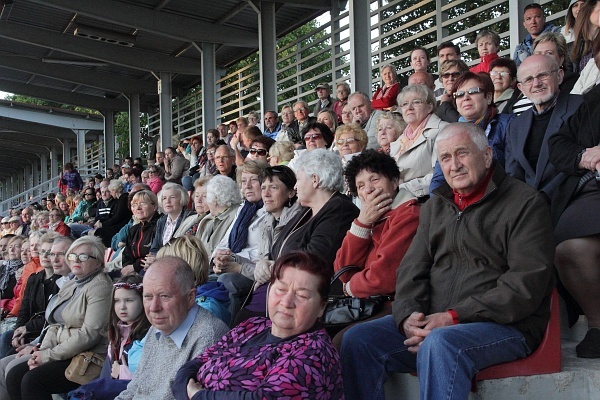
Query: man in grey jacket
{"points": [[180, 329], [473, 288]]}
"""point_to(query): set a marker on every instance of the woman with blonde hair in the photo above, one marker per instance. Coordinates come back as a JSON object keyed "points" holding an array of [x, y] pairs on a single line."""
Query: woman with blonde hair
{"points": [[350, 139]]}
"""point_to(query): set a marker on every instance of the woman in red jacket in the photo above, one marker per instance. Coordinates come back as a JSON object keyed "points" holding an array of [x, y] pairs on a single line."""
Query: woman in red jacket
{"points": [[385, 96], [381, 234]]}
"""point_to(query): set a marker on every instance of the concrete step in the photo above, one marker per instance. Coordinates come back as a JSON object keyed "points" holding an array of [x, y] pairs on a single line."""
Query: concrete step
{"points": [[578, 380]]}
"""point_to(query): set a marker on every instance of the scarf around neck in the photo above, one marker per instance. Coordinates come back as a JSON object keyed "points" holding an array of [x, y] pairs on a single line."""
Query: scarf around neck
{"points": [[239, 232]]}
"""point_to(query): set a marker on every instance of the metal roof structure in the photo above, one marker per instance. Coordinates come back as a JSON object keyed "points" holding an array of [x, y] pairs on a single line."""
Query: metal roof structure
{"points": [[93, 53]]}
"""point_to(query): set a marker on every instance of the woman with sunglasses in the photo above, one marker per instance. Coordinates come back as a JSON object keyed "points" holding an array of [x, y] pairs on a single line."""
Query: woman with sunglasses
{"points": [[77, 316], [259, 148], [316, 136], [414, 150], [474, 97], [450, 71]]}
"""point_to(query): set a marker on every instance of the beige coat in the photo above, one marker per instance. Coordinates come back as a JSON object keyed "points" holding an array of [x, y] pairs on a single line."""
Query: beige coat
{"points": [[86, 320], [416, 164]]}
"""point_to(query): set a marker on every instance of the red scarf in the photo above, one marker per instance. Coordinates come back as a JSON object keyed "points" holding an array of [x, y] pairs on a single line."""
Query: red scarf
{"points": [[462, 201]]}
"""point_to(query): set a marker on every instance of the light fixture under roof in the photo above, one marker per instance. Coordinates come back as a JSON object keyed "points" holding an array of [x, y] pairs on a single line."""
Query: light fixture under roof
{"points": [[103, 35], [81, 63]]}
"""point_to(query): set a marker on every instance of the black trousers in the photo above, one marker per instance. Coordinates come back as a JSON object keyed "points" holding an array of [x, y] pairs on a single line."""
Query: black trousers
{"points": [[39, 383]]}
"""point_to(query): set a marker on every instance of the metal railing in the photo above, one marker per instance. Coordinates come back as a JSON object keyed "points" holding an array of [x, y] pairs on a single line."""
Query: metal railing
{"points": [[96, 164]]}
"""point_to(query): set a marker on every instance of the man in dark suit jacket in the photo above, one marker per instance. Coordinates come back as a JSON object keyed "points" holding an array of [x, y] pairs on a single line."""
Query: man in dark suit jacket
{"points": [[527, 156]]}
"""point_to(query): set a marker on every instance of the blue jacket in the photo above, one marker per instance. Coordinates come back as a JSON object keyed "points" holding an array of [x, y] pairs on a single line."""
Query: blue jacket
{"points": [[214, 297], [497, 139]]}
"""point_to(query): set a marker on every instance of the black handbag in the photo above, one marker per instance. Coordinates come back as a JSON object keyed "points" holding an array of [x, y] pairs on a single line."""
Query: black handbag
{"points": [[342, 310]]}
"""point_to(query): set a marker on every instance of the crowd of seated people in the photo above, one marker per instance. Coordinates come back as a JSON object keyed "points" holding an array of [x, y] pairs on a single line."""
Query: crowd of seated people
{"points": [[462, 198]]}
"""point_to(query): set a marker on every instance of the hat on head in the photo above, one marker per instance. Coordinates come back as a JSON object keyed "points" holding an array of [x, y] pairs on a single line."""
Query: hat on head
{"points": [[5, 220], [323, 85], [14, 219], [571, 3]]}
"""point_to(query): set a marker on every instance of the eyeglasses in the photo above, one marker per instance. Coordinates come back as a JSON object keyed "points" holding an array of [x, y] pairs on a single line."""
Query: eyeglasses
{"points": [[501, 74], [4, 223], [259, 152], [59, 254], [542, 76], [312, 136], [222, 157], [54, 215], [350, 140], [454, 75], [81, 257], [140, 204], [460, 93], [88, 194], [414, 103], [303, 109], [45, 252]]}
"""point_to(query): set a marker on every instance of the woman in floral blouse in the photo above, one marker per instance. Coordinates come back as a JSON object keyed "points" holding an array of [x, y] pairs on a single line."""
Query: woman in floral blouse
{"points": [[284, 357]]}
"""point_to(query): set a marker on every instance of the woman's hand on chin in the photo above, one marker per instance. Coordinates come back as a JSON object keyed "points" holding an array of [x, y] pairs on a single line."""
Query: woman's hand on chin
{"points": [[193, 387]]}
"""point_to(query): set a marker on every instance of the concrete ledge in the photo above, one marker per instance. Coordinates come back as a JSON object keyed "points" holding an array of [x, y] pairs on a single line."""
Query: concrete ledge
{"points": [[579, 380]]}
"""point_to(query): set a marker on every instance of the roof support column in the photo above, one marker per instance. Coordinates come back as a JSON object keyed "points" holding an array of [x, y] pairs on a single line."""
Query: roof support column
{"points": [[134, 125], [109, 139], [166, 110], [209, 88], [43, 167], [515, 19], [66, 153], [35, 175], [267, 57], [360, 46], [53, 162], [81, 156]]}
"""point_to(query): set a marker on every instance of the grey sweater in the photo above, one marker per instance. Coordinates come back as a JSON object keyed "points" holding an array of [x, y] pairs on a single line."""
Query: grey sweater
{"points": [[161, 359]]}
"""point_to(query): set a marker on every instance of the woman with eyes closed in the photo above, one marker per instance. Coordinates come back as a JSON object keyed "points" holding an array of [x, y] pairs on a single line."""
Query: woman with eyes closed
{"points": [[286, 355], [389, 128], [474, 97], [77, 318], [414, 150]]}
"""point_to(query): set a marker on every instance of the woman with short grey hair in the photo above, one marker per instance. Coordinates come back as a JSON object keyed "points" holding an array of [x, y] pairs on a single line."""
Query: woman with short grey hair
{"points": [[223, 198], [326, 166], [414, 150]]}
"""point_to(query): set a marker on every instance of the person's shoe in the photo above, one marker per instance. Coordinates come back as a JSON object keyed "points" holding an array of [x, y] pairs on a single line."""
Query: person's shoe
{"points": [[589, 347]]}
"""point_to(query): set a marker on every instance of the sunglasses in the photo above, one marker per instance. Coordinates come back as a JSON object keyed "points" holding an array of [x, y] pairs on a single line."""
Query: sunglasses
{"points": [[461, 93], [312, 136], [259, 152], [451, 75]]}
